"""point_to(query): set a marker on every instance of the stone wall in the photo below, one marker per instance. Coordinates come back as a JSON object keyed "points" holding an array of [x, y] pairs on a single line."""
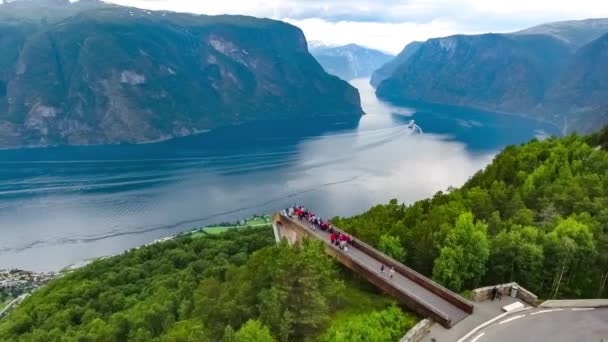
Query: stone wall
{"points": [[485, 293], [576, 303], [418, 331]]}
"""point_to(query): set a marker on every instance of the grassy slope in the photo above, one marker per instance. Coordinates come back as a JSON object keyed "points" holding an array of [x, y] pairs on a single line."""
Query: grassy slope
{"points": [[254, 222]]}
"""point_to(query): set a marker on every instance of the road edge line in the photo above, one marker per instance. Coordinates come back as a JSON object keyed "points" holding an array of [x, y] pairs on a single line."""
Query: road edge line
{"points": [[487, 323]]}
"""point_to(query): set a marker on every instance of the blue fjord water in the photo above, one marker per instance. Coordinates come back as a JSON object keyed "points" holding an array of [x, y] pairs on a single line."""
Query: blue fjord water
{"points": [[60, 206]]}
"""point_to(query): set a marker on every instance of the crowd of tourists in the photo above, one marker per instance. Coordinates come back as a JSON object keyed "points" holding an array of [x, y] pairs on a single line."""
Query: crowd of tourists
{"points": [[337, 238]]}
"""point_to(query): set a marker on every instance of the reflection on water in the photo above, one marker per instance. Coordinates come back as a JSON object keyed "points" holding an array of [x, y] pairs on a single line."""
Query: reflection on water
{"points": [[62, 205]]}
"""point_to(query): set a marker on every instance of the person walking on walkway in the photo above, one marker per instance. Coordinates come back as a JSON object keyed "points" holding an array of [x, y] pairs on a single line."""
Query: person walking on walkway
{"points": [[392, 272], [382, 268]]}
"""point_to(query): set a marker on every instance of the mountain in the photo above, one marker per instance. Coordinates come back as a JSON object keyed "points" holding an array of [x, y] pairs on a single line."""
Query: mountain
{"points": [[92, 73], [386, 70], [582, 89], [576, 33], [349, 61], [551, 72], [491, 71]]}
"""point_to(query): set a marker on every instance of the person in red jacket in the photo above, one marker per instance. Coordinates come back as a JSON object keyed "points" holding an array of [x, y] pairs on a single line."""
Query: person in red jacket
{"points": [[332, 237]]}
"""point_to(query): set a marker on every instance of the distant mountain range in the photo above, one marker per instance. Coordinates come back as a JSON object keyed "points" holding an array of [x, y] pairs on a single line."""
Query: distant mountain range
{"points": [[93, 73], [556, 72], [575, 33], [348, 61]]}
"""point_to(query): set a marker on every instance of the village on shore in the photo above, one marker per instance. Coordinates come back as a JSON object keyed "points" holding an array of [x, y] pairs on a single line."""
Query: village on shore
{"points": [[16, 285], [20, 281]]}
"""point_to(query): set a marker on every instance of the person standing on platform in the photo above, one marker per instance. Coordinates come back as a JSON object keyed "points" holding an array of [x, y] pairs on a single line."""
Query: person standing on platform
{"points": [[392, 272]]}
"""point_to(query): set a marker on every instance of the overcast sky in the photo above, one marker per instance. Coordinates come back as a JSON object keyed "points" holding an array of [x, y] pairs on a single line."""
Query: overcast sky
{"points": [[390, 24]]}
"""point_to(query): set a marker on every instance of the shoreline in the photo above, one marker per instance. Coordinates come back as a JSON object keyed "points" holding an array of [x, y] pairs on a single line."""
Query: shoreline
{"points": [[37, 280], [481, 109], [145, 142], [207, 230]]}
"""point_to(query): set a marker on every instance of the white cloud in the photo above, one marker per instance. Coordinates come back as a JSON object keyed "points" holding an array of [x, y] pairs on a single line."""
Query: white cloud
{"points": [[390, 37], [390, 24]]}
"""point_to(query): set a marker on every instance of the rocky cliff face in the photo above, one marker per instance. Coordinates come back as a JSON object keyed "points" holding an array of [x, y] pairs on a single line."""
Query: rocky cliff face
{"points": [[350, 61], [112, 74], [386, 70], [540, 72]]}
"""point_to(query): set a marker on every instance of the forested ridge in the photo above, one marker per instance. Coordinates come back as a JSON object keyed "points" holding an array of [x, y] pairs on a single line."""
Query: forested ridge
{"points": [[237, 286], [538, 215]]}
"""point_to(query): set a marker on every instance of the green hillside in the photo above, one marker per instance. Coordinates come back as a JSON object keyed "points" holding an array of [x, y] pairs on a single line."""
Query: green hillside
{"points": [[537, 215], [236, 286]]}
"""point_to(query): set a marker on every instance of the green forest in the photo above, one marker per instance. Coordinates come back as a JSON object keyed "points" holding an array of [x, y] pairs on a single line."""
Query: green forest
{"points": [[538, 215], [238, 286]]}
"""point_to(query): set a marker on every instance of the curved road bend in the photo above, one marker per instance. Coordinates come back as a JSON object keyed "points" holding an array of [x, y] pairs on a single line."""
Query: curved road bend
{"points": [[10, 305], [554, 325], [405, 284]]}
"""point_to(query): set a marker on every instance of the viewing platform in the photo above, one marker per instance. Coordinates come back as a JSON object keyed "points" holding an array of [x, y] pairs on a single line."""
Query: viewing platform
{"points": [[408, 287]]}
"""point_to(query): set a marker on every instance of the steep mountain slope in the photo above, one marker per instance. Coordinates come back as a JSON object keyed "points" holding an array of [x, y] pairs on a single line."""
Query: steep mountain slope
{"points": [[575, 32], [582, 89], [349, 61], [112, 74], [542, 72], [491, 71], [386, 70]]}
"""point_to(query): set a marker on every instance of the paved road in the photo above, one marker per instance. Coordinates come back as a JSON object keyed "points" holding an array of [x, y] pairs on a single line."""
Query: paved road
{"points": [[403, 283], [554, 325], [10, 305]]}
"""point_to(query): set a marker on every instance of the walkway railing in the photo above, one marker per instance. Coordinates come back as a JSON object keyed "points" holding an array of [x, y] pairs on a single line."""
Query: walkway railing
{"points": [[452, 308]]}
